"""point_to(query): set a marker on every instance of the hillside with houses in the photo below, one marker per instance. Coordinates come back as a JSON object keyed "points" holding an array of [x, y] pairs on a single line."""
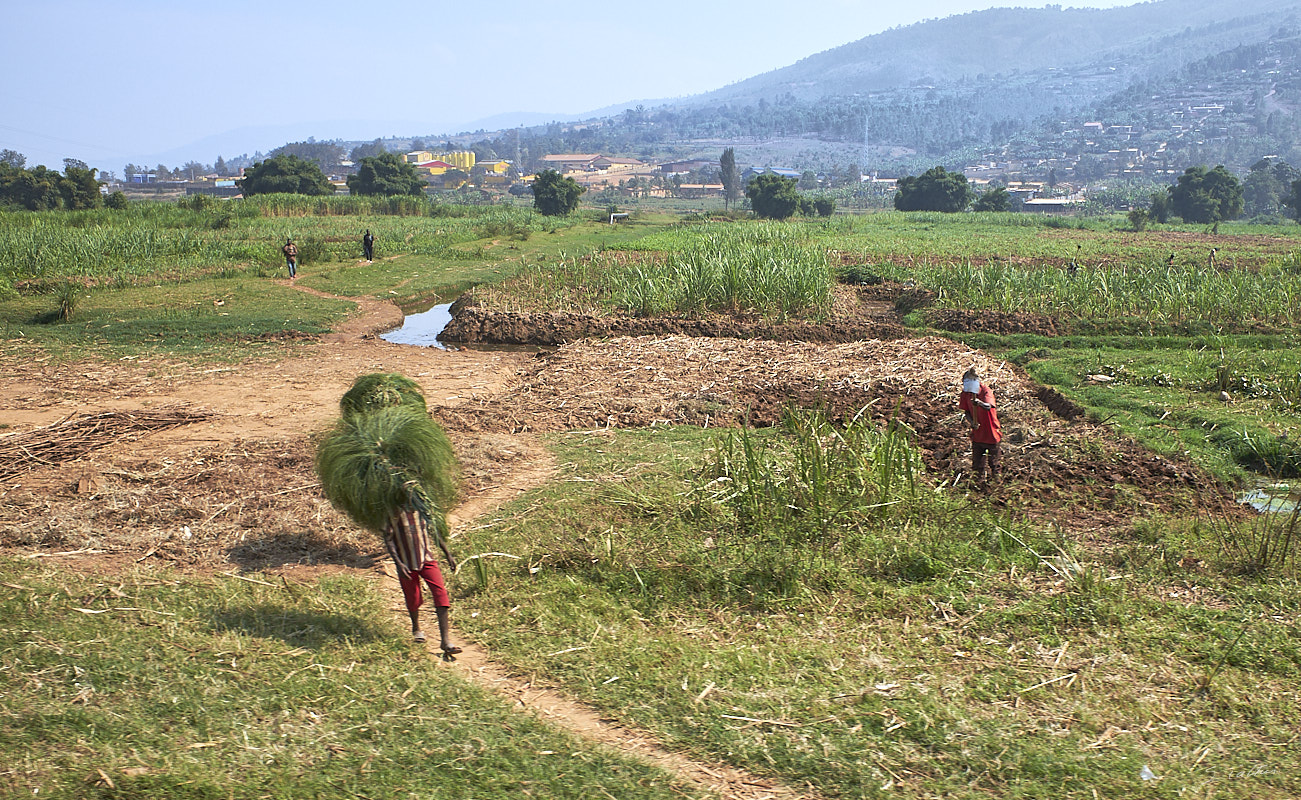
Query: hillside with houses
{"points": [[1139, 98]]}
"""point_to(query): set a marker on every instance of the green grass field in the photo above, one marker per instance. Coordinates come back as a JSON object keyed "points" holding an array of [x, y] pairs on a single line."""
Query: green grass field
{"points": [[916, 657], [163, 686], [804, 602]]}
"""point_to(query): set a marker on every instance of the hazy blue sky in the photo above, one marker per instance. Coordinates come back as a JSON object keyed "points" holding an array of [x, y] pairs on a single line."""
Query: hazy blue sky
{"points": [[102, 81]]}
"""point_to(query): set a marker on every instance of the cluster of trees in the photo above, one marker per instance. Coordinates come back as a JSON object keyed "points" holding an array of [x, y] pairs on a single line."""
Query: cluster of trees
{"points": [[385, 174], [1266, 186], [189, 171], [937, 189], [326, 155], [555, 195], [367, 150], [43, 189], [1201, 195], [774, 197], [286, 174], [1206, 196]]}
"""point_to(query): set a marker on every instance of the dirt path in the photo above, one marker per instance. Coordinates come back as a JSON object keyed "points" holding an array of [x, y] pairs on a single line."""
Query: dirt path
{"points": [[476, 664], [239, 488], [724, 781], [188, 496]]}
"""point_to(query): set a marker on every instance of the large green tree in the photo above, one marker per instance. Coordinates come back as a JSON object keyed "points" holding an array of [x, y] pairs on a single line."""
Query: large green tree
{"points": [[1159, 210], [1292, 200], [996, 199], [34, 189], [193, 170], [385, 174], [78, 187], [1205, 196], [729, 177], [936, 189], [554, 195], [327, 155], [772, 196], [1268, 182], [285, 174]]}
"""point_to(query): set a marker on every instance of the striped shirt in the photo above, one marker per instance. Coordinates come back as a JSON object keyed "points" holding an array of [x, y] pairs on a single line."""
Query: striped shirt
{"points": [[407, 538]]}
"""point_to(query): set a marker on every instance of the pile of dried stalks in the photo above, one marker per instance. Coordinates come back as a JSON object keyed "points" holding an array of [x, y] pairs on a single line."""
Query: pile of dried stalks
{"points": [[73, 437], [638, 381]]}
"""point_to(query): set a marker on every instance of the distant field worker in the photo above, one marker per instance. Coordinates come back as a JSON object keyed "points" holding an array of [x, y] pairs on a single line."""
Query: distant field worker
{"points": [[368, 245], [977, 403], [291, 257]]}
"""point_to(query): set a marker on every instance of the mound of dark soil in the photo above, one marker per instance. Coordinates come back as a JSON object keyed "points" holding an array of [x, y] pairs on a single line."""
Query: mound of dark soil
{"points": [[477, 325]]}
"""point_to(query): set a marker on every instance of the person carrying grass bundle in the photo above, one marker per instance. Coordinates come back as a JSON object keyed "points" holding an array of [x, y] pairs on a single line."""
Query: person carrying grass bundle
{"points": [[406, 537], [977, 404], [391, 469]]}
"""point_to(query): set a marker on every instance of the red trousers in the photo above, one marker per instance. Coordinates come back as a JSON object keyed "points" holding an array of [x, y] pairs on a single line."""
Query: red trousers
{"points": [[411, 586]]}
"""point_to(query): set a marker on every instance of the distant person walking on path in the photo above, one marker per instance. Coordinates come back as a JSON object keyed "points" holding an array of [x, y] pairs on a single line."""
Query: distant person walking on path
{"points": [[291, 257], [368, 245], [977, 403]]}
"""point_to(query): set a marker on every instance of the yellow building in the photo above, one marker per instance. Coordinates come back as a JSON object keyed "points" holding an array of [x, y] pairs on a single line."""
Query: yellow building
{"points": [[461, 159], [418, 157], [434, 167]]}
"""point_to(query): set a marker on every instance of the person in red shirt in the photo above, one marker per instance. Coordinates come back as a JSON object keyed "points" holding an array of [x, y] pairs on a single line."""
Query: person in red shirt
{"points": [[977, 403]]}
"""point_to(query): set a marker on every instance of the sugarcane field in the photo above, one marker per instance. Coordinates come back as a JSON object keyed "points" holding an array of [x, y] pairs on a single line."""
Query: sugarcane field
{"points": [[706, 500]]}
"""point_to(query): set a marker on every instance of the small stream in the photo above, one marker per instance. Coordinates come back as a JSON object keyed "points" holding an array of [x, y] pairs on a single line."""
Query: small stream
{"points": [[1276, 498], [422, 328]]}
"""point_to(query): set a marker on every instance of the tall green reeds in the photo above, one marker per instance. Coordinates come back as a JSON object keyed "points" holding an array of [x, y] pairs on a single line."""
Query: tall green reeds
{"points": [[176, 240], [1157, 293], [804, 493], [766, 269]]}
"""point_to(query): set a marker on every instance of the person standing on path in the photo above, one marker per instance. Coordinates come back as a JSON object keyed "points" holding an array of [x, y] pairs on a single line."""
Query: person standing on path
{"points": [[977, 403], [291, 257], [368, 245]]}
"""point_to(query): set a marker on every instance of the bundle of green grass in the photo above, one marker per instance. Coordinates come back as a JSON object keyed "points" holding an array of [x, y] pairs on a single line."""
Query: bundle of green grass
{"points": [[385, 456], [381, 390]]}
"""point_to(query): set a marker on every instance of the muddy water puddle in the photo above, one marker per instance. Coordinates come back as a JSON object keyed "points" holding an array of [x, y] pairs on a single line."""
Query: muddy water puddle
{"points": [[422, 326], [1276, 498]]}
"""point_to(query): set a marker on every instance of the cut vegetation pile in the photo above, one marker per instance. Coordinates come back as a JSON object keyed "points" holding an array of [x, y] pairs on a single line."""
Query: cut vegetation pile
{"points": [[74, 437], [646, 381], [851, 316]]}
